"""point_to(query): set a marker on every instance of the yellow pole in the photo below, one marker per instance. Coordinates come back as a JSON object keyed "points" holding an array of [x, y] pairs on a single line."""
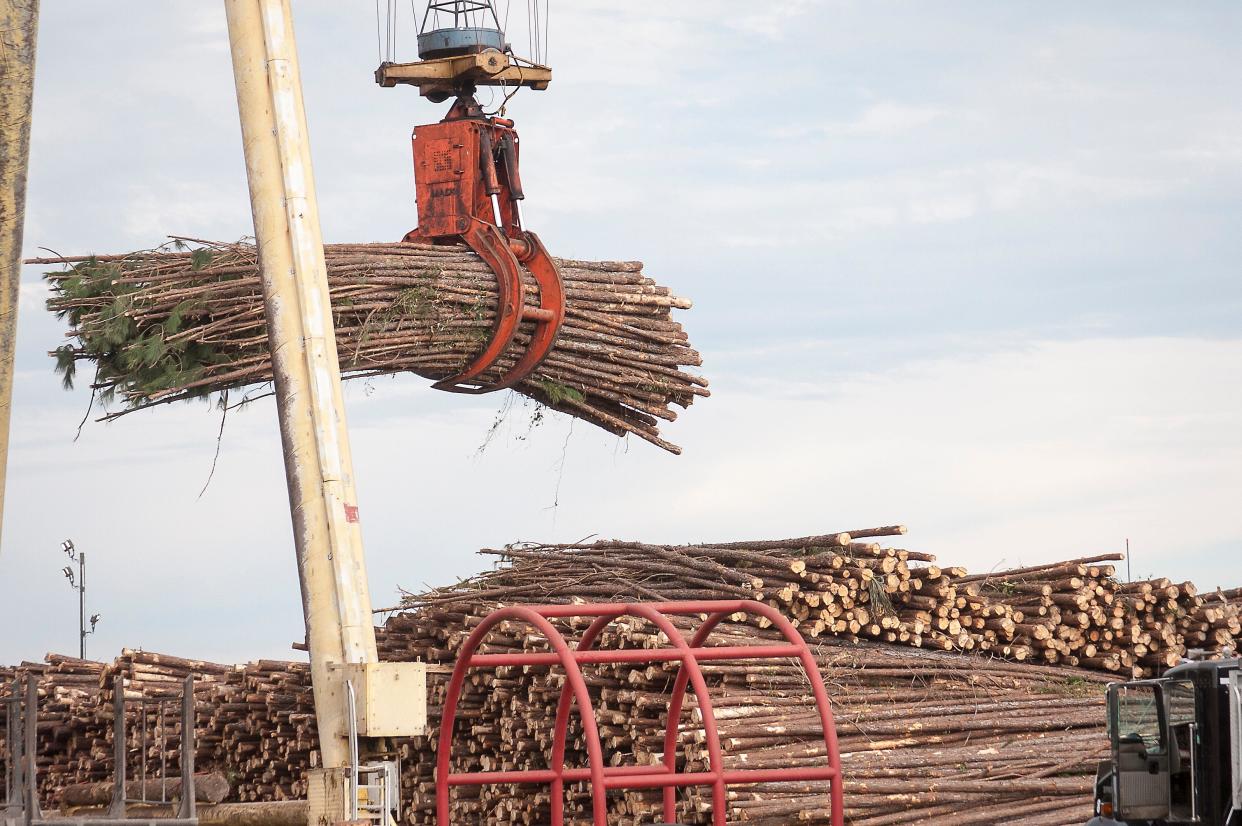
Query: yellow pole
{"points": [[19, 20], [318, 464]]}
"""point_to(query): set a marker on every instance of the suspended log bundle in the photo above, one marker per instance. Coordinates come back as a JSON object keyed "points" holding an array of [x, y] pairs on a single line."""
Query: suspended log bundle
{"points": [[167, 325]]}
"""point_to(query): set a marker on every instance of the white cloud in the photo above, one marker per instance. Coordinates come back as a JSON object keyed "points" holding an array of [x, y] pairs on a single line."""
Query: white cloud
{"points": [[33, 296], [888, 119], [771, 20], [199, 208]]}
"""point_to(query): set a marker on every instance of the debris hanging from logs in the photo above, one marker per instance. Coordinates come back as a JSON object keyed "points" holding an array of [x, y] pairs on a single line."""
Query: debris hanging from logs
{"points": [[171, 324]]}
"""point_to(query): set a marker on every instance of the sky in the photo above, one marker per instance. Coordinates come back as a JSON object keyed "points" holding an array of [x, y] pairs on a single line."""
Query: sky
{"points": [[969, 267]]}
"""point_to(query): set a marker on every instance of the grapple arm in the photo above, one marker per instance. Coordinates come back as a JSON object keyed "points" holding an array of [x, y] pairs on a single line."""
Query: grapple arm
{"points": [[469, 190]]}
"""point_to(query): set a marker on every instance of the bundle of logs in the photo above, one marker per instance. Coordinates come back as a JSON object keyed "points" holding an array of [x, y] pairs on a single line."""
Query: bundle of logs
{"points": [[959, 699], [845, 584], [165, 325]]}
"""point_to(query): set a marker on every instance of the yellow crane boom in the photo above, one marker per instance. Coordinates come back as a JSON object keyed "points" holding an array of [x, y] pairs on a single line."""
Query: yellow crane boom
{"points": [[18, 28], [357, 699]]}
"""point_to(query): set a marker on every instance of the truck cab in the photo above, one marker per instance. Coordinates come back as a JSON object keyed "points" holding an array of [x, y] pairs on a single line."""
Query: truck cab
{"points": [[1175, 748]]}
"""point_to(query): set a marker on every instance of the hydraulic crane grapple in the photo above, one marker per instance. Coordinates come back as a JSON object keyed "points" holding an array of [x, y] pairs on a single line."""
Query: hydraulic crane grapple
{"points": [[469, 187]]}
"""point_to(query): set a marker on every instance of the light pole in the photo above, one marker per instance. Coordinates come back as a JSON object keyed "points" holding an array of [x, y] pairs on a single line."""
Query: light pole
{"points": [[78, 583]]}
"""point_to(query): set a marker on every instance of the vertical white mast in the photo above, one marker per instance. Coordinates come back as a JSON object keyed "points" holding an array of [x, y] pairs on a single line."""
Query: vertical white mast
{"points": [[318, 464], [19, 20]]}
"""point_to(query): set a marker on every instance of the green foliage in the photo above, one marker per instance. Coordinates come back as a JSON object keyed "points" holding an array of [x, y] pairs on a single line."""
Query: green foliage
{"points": [[138, 357], [411, 303], [172, 324], [200, 258], [558, 393], [66, 365], [882, 605]]}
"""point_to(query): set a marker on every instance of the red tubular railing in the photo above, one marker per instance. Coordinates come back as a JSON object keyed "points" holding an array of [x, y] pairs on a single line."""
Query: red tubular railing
{"points": [[689, 676]]}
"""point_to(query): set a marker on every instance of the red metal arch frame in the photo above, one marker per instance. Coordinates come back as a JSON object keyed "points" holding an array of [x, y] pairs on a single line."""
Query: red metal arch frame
{"points": [[690, 654]]}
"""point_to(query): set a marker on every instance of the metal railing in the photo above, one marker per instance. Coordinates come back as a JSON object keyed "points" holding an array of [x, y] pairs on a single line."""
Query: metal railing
{"points": [[21, 727], [21, 783]]}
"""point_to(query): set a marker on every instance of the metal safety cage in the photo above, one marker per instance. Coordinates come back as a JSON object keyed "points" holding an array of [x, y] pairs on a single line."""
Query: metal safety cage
{"points": [[689, 653], [152, 731], [21, 805], [19, 741]]}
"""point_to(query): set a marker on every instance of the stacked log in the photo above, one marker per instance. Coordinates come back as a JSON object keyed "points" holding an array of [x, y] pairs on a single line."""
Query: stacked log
{"points": [[924, 735], [165, 325], [1074, 612], [254, 724], [270, 748], [959, 698], [884, 699], [65, 736], [251, 721]]}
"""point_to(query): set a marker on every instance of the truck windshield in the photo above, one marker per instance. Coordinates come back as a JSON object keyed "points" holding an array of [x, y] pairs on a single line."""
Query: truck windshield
{"points": [[1137, 716], [1180, 698]]}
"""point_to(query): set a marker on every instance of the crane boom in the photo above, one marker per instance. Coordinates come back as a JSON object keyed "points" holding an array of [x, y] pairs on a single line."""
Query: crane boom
{"points": [[18, 27], [357, 699]]}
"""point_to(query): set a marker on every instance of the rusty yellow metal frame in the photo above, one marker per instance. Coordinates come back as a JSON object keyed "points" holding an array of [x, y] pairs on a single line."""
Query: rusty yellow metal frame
{"points": [[486, 68]]}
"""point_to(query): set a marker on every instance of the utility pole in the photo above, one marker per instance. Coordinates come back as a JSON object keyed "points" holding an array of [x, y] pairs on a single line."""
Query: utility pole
{"points": [[19, 21], [318, 464], [78, 583]]}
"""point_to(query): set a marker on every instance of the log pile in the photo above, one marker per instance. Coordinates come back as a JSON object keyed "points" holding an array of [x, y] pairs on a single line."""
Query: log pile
{"points": [[926, 736], [254, 723], [922, 735], [165, 325], [1072, 613], [959, 698], [67, 732]]}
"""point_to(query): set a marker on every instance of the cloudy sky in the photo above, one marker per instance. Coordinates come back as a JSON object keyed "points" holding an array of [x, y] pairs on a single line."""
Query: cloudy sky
{"points": [[967, 266]]}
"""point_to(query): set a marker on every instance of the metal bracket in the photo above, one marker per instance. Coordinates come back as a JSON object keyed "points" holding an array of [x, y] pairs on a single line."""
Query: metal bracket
{"points": [[387, 699], [21, 779], [442, 77]]}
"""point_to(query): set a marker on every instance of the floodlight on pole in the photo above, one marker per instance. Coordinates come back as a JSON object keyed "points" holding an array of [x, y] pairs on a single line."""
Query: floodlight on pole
{"points": [[78, 583]]}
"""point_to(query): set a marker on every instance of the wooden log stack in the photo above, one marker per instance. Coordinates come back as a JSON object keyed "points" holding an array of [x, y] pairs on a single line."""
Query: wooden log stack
{"points": [[959, 698], [256, 726], [164, 325], [925, 735], [1073, 613]]}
